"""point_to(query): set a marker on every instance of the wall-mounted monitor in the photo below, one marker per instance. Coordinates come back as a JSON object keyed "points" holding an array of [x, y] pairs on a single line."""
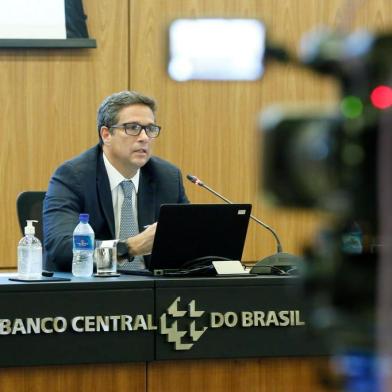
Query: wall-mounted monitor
{"points": [[216, 49], [43, 24]]}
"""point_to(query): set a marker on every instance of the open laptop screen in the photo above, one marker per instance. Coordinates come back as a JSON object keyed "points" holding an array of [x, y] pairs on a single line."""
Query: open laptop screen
{"points": [[186, 232]]}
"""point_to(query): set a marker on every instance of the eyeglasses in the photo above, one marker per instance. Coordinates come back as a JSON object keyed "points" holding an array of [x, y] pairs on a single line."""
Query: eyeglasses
{"points": [[134, 129]]}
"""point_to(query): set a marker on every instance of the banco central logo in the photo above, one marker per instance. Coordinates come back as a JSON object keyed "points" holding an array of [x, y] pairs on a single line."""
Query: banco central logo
{"points": [[183, 339]]}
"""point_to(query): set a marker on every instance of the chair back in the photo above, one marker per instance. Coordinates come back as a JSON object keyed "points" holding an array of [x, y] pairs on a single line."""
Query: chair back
{"points": [[29, 206]]}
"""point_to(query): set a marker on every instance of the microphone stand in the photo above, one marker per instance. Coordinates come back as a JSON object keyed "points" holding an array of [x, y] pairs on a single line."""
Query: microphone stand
{"points": [[280, 263]]}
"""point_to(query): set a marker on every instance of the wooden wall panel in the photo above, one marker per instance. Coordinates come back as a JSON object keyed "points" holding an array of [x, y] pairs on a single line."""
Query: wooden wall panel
{"points": [[253, 375], [209, 128], [48, 101], [78, 378]]}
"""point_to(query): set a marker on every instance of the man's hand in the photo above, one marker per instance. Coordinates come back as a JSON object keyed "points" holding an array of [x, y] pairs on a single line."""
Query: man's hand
{"points": [[141, 244]]}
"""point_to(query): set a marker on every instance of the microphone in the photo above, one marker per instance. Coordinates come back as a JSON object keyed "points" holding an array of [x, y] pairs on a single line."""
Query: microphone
{"points": [[280, 263]]}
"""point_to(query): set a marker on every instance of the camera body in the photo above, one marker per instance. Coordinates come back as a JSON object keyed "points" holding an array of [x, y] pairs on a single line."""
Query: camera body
{"points": [[325, 157], [328, 158]]}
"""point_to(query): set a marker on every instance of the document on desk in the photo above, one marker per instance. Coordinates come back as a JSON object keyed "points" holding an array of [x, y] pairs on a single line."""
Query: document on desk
{"points": [[229, 267]]}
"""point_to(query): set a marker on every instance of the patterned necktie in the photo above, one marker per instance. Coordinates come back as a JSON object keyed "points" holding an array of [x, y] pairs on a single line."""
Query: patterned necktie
{"points": [[128, 224]]}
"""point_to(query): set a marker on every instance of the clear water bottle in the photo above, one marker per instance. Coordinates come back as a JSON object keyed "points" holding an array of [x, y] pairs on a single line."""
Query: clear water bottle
{"points": [[29, 254], [83, 248]]}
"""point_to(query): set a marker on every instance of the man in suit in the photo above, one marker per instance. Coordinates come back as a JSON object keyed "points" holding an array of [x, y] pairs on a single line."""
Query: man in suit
{"points": [[93, 182]]}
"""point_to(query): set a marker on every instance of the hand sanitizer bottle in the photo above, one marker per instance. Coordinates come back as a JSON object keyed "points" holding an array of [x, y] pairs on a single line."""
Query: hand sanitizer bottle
{"points": [[29, 254]]}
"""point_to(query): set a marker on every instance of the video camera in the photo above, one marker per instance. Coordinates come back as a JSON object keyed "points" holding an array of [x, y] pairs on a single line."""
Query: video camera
{"points": [[328, 158]]}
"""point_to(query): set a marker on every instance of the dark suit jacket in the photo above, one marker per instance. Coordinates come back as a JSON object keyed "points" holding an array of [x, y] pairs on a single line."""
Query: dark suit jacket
{"points": [[81, 185]]}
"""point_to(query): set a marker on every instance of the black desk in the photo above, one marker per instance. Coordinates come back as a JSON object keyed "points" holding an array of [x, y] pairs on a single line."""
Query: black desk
{"points": [[133, 318], [236, 318], [59, 301]]}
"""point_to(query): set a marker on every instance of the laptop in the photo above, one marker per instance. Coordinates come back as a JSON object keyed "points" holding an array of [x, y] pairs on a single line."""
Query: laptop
{"points": [[189, 236]]}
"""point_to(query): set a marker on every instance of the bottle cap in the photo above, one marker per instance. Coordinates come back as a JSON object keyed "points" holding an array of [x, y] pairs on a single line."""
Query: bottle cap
{"points": [[30, 229], [84, 218]]}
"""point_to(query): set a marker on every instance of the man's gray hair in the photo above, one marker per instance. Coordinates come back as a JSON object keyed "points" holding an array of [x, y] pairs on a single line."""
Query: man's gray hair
{"points": [[110, 107]]}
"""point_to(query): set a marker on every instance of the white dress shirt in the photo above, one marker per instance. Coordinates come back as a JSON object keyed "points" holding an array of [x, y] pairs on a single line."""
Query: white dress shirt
{"points": [[115, 179]]}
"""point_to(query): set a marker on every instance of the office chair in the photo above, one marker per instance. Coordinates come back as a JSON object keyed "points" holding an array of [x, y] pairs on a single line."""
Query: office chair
{"points": [[29, 206]]}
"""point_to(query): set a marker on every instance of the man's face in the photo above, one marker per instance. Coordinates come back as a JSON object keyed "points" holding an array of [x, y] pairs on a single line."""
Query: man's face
{"points": [[129, 153]]}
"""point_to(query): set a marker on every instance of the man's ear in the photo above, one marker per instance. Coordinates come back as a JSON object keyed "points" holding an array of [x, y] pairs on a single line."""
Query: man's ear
{"points": [[106, 135]]}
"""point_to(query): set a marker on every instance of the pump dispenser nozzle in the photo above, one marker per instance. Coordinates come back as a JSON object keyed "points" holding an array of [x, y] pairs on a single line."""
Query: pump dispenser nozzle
{"points": [[30, 229]]}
